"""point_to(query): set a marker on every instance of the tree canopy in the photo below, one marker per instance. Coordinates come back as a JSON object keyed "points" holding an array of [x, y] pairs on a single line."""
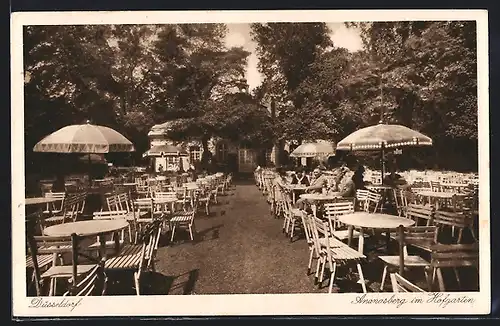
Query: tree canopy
{"points": [[421, 74]]}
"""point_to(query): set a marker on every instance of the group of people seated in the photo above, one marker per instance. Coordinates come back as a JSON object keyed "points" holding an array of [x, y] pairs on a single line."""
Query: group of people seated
{"points": [[346, 181]]}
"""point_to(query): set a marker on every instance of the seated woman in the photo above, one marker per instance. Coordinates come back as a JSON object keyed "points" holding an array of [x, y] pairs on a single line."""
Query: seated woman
{"points": [[300, 177]]}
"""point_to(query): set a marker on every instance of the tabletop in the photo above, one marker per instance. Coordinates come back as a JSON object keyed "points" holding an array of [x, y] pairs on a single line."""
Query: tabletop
{"points": [[40, 200], [296, 186], [379, 187], [131, 184], [375, 220], [86, 228], [165, 200], [437, 194], [330, 196]]}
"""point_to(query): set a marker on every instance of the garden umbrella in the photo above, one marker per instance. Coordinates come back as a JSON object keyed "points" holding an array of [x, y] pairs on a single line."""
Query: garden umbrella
{"points": [[381, 137], [84, 138], [165, 150], [318, 149]]}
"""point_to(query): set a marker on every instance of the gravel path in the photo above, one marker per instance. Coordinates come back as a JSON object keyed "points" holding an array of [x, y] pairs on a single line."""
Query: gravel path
{"points": [[240, 249]]}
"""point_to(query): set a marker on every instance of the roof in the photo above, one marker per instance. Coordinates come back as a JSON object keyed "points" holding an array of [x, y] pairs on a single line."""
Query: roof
{"points": [[160, 129]]}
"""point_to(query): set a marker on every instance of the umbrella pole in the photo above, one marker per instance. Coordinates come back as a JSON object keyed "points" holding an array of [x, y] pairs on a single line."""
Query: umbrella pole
{"points": [[383, 163], [89, 170]]}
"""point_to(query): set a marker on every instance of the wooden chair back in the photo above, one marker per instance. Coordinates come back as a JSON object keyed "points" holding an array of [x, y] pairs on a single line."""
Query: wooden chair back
{"points": [[401, 201], [372, 202], [401, 284], [421, 214], [453, 256], [332, 210], [361, 195], [457, 220], [144, 205], [47, 245], [435, 185], [60, 200], [93, 283]]}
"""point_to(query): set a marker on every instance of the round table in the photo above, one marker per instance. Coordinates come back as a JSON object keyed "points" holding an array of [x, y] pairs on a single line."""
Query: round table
{"points": [[40, 200], [165, 201], [367, 220], [34, 220], [314, 198], [321, 197], [440, 195], [88, 229], [294, 188]]}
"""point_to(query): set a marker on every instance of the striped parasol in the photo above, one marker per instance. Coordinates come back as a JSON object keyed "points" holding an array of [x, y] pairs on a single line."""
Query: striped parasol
{"points": [[383, 136], [84, 138], [318, 149]]}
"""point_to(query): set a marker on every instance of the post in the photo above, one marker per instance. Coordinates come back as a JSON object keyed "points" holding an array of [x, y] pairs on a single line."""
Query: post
{"points": [[74, 262], [401, 236], [276, 144], [383, 162]]}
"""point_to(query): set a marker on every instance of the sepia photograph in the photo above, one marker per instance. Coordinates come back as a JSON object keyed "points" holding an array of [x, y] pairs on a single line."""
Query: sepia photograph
{"points": [[225, 163]]}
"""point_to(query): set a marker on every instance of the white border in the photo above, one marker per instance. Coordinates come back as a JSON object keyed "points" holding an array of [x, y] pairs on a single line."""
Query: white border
{"points": [[211, 305]]}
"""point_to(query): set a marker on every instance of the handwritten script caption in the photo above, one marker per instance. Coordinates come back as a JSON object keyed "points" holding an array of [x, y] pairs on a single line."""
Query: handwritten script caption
{"points": [[442, 300], [69, 303]]}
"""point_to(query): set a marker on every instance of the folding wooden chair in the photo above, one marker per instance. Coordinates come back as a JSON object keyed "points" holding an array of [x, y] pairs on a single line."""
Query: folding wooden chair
{"points": [[422, 237], [140, 257], [401, 284]]}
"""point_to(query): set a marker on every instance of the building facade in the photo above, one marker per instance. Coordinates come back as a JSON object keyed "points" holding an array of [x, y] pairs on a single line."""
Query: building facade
{"points": [[228, 155]]}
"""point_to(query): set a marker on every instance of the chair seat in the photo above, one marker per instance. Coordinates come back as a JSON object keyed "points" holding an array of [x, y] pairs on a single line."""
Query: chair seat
{"points": [[66, 271], [108, 244], [43, 260], [56, 218], [54, 211], [342, 253], [344, 234], [128, 258], [181, 218], [411, 261], [296, 212]]}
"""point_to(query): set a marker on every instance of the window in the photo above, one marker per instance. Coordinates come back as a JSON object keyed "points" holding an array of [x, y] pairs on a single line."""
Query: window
{"points": [[194, 154], [221, 151]]}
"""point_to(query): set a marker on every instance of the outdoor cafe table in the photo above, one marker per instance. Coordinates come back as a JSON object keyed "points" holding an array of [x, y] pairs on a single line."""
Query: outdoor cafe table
{"points": [[39, 201], [440, 195], [294, 188], [88, 229], [365, 220], [317, 199]]}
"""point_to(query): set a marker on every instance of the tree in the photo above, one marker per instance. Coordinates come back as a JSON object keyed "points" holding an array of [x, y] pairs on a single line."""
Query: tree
{"points": [[427, 76], [202, 71], [287, 53]]}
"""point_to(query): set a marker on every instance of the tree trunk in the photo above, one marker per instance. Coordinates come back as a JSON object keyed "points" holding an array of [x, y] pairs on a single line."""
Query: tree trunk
{"points": [[205, 157]]}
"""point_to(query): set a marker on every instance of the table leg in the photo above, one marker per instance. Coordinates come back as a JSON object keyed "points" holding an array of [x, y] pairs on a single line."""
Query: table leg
{"points": [[387, 239], [117, 243], [350, 230], [102, 248], [361, 240]]}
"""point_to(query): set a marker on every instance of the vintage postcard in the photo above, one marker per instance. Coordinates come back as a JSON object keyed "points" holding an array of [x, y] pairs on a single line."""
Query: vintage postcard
{"points": [[209, 163]]}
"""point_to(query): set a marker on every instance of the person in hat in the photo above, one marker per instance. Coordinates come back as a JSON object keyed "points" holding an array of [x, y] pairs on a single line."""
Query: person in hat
{"points": [[318, 181], [350, 183]]}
